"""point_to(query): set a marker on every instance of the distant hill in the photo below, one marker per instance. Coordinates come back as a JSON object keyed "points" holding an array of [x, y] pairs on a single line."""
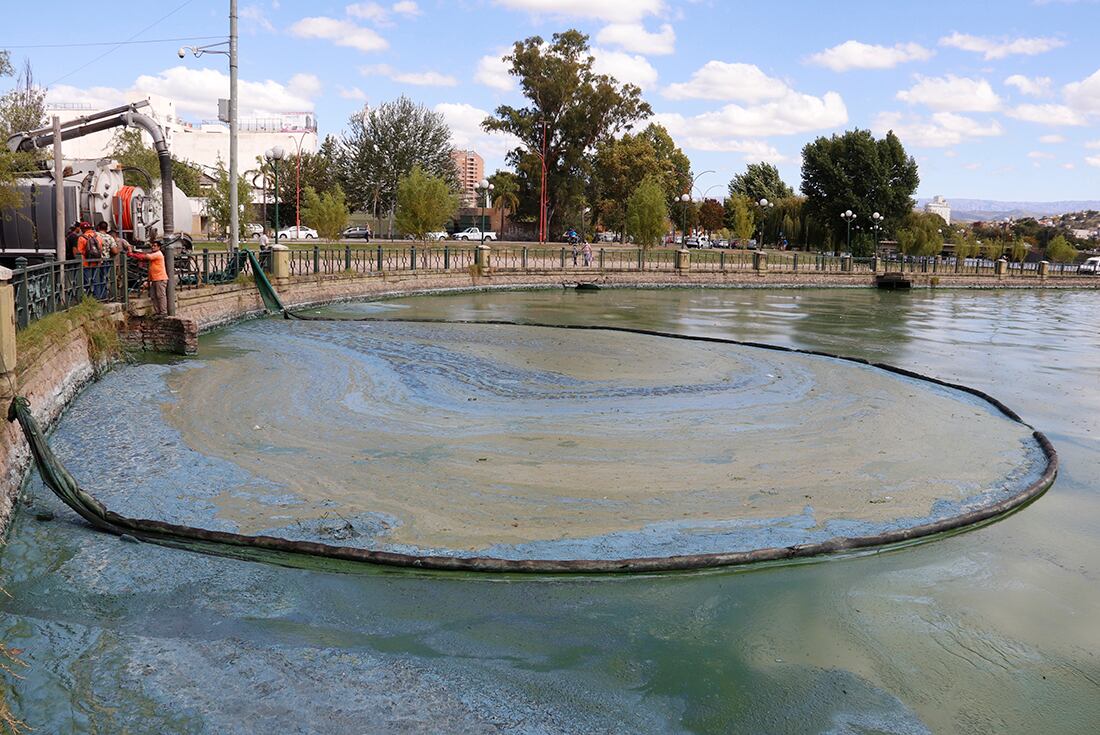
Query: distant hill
{"points": [[972, 210]]}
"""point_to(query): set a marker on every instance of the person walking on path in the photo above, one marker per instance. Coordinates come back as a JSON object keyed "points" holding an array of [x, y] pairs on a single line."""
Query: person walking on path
{"points": [[263, 239], [158, 277], [587, 250]]}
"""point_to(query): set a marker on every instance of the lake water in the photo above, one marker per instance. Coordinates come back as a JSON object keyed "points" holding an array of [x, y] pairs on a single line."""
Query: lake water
{"points": [[989, 631]]}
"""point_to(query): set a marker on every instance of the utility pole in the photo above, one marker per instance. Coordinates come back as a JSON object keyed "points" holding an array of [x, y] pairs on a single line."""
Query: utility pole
{"points": [[58, 192], [234, 207]]}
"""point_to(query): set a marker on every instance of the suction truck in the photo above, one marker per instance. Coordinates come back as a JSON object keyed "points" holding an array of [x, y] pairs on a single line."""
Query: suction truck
{"points": [[92, 190]]}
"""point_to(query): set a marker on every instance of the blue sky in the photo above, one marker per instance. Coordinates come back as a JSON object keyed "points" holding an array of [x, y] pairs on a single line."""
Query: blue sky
{"points": [[996, 100]]}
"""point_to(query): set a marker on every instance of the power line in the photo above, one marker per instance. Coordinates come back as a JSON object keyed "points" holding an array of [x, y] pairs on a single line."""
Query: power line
{"points": [[164, 17], [109, 43]]}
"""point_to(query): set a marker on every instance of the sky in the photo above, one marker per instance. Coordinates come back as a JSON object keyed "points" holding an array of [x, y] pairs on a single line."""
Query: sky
{"points": [[997, 100]]}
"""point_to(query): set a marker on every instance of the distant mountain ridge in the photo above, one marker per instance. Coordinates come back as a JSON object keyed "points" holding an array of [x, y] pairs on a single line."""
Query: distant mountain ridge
{"points": [[988, 209]]}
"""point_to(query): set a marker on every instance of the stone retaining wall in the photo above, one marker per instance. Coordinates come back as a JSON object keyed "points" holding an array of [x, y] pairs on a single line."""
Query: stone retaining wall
{"points": [[50, 377]]}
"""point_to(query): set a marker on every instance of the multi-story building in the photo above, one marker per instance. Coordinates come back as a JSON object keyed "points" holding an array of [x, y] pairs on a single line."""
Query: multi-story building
{"points": [[939, 206], [471, 170], [204, 143]]}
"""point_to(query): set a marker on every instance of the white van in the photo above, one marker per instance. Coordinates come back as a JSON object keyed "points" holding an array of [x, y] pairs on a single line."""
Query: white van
{"points": [[1090, 267]]}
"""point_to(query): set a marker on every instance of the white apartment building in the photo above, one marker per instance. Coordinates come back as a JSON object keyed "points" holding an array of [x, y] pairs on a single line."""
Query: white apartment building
{"points": [[939, 206], [203, 143]]}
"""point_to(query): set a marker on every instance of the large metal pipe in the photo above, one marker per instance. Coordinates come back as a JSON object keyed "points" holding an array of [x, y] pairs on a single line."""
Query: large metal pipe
{"points": [[128, 116]]}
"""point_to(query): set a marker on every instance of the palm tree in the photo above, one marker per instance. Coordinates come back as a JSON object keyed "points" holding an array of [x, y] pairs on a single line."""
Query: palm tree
{"points": [[505, 191]]}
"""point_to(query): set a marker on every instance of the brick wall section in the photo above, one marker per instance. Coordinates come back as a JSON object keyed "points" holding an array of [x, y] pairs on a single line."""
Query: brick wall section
{"points": [[50, 378], [171, 334]]}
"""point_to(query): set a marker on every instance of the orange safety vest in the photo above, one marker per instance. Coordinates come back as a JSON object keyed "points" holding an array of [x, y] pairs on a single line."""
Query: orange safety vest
{"points": [[156, 265]]}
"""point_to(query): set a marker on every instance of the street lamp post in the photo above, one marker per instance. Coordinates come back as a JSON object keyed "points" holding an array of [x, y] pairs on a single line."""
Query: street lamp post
{"points": [[274, 156], [877, 227], [298, 180], [234, 199], [848, 216], [765, 205], [486, 187], [684, 198]]}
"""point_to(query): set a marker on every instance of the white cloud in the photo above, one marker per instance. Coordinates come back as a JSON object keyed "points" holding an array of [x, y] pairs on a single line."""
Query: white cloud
{"points": [[372, 12], [1040, 155], [720, 80], [1084, 96], [725, 129], [1058, 115], [624, 67], [972, 166], [612, 11], [466, 132], [305, 85], [1069, 166], [1093, 144], [1052, 139], [952, 94], [950, 154], [941, 130], [493, 71], [1037, 87], [340, 32], [196, 92], [419, 79], [999, 48], [255, 14], [1093, 161], [634, 37], [353, 93], [857, 55], [407, 8]]}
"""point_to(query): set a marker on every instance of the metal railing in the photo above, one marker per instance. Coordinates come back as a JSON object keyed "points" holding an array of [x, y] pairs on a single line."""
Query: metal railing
{"points": [[45, 288], [53, 286]]}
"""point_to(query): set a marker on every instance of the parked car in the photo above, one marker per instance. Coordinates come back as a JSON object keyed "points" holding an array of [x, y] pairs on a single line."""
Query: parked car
{"points": [[721, 243], [437, 236], [298, 233], [1090, 267], [356, 232], [607, 237], [473, 233], [254, 230]]}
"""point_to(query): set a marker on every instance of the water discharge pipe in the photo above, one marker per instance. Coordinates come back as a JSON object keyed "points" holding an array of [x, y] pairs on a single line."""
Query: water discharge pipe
{"points": [[124, 116]]}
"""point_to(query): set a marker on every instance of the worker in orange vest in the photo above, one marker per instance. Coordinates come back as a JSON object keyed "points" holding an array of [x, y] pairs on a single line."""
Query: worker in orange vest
{"points": [[158, 276], [90, 248]]}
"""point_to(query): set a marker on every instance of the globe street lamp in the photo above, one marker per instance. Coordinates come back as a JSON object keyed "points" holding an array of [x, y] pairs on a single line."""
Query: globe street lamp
{"points": [[685, 198], [877, 227], [486, 187], [848, 216], [764, 206], [274, 156]]}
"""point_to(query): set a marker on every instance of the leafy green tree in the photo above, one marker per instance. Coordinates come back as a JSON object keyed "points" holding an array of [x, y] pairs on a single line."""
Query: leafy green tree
{"points": [[326, 212], [1060, 251], [760, 181], [993, 249], [572, 107], [857, 172], [505, 194], [711, 215], [217, 201], [23, 107], [9, 196], [384, 144], [647, 213], [740, 216], [424, 203], [1019, 250], [921, 234], [620, 163]]}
